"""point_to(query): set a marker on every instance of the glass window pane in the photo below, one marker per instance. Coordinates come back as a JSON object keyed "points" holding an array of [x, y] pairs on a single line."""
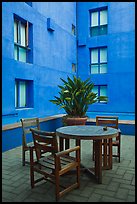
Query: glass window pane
{"points": [[22, 94], [94, 56], [22, 54], [103, 17], [94, 19], [95, 89], [103, 55], [103, 30], [15, 31], [94, 69], [23, 35], [15, 52], [94, 31], [103, 68], [103, 90]]}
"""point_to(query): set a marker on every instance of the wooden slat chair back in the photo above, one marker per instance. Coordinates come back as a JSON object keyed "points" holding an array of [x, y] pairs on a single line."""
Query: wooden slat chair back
{"points": [[53, 164], [27, 123], [110, 121]]}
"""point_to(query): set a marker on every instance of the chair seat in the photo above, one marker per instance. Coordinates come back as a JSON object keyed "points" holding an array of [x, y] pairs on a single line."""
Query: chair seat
{"points": [[115, 143], [49, 161], [54, 163]]}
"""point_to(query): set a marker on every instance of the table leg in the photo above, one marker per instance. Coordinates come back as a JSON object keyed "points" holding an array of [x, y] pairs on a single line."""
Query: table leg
{"points": [[98, 160], [105, 153], [61, 143], [66, 143], [78, 143], [110, 154]]}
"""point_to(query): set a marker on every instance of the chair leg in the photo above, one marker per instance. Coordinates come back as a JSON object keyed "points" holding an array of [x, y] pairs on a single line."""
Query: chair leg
{"points": [[93, 156], [23, 157], [78, 175], [31, 169], [119, 152], [57, 187]]}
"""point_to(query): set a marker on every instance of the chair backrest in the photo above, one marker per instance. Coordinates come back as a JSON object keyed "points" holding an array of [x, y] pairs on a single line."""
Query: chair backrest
{"points": [[28, 123], [109, 121], [45, 141]]}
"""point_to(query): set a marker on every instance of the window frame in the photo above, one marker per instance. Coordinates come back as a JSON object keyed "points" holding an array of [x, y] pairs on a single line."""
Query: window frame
{"points": [[17, 94], [18, 44], [29, 95], [98, 63], [98, 10], [98, 93]]}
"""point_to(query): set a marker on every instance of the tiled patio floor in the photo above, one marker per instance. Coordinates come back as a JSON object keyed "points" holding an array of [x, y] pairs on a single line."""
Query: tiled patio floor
{"points": [[118, 184]]}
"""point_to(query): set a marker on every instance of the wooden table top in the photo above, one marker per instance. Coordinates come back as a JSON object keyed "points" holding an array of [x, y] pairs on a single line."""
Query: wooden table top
{"points": [[86, 132]]}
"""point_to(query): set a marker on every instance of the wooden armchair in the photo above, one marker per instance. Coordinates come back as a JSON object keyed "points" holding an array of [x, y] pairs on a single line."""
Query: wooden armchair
{"points": [[53, 164], [110, 121], [27, 123]]}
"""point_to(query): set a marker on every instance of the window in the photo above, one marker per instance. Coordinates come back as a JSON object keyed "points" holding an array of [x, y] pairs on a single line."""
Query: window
{"points": [[101, 90], [98, 60], [98, 22], [29, 3], [21, 40], [73, 67], [23, 93], [73, 30]]}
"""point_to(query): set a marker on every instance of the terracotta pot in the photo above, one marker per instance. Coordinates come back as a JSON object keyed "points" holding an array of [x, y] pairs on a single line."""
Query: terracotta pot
{"points": [[74, 121]]}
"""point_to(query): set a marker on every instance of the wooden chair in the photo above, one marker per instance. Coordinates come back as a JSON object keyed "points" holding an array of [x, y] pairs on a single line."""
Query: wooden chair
{"points": [[27, 123], [110, 121], [53, 164]]}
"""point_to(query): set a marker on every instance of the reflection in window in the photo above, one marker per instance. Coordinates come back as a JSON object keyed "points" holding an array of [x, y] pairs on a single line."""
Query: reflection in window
{"points": [[98, 22], [101, 90]]}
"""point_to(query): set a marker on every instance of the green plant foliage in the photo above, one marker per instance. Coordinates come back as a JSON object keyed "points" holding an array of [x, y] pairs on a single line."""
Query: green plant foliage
{"points": [[75, 96]]}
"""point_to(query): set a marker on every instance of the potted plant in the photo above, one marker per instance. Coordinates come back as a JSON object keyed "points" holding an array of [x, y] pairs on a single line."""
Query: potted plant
{"points": [[75, 96]]}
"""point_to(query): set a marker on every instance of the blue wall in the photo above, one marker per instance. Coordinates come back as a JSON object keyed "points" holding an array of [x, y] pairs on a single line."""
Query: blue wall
{"points": [[54, 52], [53, 55], [13, 138], [120, 41]]}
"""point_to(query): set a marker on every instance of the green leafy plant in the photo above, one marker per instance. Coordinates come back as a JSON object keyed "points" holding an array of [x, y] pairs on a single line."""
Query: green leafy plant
{"points": [[75, 96]]}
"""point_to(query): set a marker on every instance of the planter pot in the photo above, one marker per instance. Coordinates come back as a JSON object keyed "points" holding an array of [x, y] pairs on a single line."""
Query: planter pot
{"points": [[74, 121]]}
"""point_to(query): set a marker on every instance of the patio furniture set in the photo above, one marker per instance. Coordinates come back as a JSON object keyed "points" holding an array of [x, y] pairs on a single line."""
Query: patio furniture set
{"points": [[54, 161]]}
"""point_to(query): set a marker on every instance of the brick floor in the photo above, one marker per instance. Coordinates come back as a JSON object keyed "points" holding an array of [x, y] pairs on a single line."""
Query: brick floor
{"points": [[118, 184]]}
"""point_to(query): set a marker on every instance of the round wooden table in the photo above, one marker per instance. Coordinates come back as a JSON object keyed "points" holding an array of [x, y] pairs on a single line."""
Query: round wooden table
{"points": [[96, 133]]}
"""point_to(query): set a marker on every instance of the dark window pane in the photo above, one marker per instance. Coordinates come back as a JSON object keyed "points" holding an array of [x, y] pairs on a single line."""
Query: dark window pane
{"points": [[94, 31], [103, 30]]}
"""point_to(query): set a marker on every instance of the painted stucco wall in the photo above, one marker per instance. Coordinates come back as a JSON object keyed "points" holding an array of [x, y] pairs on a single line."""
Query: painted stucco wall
{"points": [[54, 52], [53, 55], [120, 42]]}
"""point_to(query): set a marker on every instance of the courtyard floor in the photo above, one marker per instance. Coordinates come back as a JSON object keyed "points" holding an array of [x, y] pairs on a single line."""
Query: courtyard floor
{"points": [[118, 184]]}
